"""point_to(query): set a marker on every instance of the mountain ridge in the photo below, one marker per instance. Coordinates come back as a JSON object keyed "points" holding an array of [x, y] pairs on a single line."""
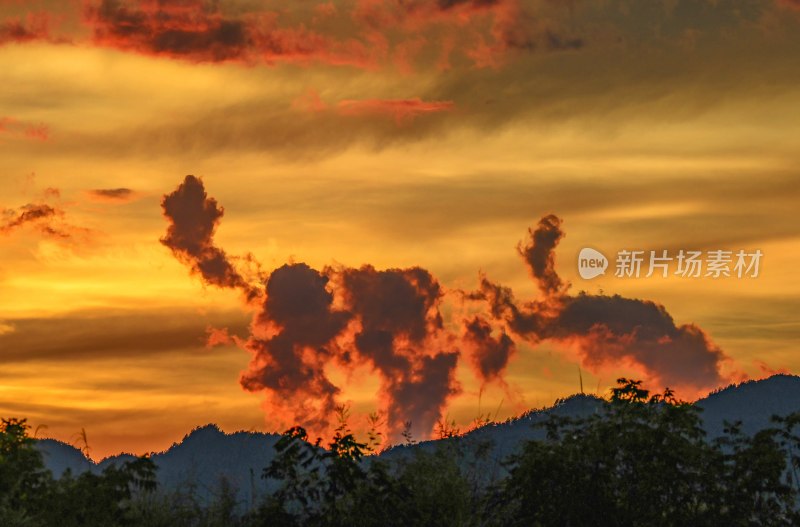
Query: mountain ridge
{"points": [[207, 455]]}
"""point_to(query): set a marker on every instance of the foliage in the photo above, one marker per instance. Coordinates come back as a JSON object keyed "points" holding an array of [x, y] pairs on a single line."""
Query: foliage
{"points": [[98, 499], [640, 460], [30, 496], [23, 479], [645, 461], [333, 486]]}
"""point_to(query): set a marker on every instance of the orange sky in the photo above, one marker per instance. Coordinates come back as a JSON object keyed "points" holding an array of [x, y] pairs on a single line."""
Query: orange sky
{"points": [[396, 134]]}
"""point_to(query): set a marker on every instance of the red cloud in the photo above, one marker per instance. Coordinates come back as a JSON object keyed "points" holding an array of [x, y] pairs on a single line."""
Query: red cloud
{"points": [[486, 32], [44, 215], [402, 110], [14, 127], [768, 370], [37, 131], [397, 33], [310, 323], [490, 355], [198, 31], [193, 219], [35, 26], [187, 29], [605, 330]]}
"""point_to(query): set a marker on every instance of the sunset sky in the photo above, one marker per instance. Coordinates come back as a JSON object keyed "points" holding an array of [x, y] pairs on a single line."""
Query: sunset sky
{"points": [[400, 134]]}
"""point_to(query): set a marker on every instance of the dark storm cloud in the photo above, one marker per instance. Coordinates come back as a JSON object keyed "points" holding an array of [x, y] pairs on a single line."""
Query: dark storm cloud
{"points": [[418, 398], [388, 319], [193, 219], [524, 321], [399, 314], [290, 364], [298, 301], [401, 302], [538, 252], [607, 330], [613, 328], [490, 354]]}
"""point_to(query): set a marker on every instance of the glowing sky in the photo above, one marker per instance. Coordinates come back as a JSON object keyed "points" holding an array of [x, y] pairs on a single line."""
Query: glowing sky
{"points": [[395, 133]]}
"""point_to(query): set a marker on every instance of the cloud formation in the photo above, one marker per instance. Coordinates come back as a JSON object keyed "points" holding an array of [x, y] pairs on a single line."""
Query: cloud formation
{"points": [[402, 110], [29, 130], [202, 31], [491, 354], [30, 213], [193, 29], [112, 194], [439, 68], [605, 330], [193, 218], [32, 27], [539, 254], [387, 320], [404, 35], [312, 323], [367, 34], [289, 364], [45, 215], [401, 336]]}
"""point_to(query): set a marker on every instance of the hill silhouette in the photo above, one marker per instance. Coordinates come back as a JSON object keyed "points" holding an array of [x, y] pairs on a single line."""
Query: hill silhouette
{"points": [[207, 456]]}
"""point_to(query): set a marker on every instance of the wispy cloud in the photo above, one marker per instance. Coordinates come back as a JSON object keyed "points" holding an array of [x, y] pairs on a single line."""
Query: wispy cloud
{"points": [[114, 195], [13, 127]]}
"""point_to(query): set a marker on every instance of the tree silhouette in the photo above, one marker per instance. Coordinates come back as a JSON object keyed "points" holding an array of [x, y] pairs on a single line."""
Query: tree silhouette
{"points": [[644, 460], [639, 460], [23, 479], [30, 496]]}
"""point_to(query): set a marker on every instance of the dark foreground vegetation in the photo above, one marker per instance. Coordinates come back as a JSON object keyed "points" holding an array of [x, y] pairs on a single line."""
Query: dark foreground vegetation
{"points": [[641, 461]]}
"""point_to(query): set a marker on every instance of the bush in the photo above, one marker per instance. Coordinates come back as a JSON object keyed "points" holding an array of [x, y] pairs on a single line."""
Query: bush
{"points": [[645, 461], [641, 461], [23, 479], [29, 496]]}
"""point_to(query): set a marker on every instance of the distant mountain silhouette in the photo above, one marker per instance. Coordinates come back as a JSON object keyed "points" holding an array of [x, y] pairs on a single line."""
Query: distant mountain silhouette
{"points": [[207, 455], [198, 463], [752, 402]]}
